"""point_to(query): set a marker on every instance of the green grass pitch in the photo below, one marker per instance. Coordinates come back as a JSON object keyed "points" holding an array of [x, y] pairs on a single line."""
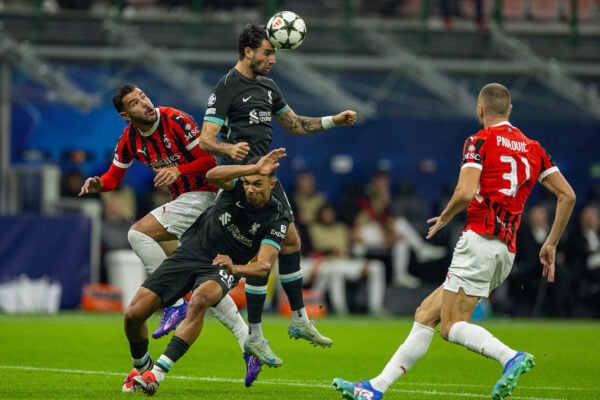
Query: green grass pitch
{"points": [[77, 355]]}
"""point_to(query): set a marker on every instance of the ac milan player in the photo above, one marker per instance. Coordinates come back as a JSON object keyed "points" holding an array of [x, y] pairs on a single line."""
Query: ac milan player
{"points": [[499, 168], [166, 140]]}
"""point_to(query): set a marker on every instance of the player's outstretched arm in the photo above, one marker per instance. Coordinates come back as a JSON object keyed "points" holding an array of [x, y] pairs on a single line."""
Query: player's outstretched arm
{"points": [[223, 175], [300, 125], [466, 189], [212, 145]]}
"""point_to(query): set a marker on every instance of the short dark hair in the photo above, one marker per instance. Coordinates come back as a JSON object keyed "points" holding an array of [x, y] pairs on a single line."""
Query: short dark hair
{"points": [[121, 92], [495, 98], [252, 36]]}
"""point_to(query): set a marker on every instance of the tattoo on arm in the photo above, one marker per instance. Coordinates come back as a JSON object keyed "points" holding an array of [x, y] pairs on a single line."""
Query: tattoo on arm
{"points": [[300, 125]]}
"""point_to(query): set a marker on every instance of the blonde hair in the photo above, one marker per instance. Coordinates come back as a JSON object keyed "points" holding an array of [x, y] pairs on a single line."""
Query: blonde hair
{"points": [[495, 99]]}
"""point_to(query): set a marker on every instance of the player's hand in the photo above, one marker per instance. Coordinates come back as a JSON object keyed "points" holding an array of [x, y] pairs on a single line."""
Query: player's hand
{"points": [[438, 224], [345, 118], [91, 185], [268, 163], [239, 151], [166, 176], [224, 261], [547, 258]]}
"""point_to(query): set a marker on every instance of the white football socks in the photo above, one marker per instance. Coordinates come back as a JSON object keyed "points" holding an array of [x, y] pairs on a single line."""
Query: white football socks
{"points": [[227, 312], [412, 350], [255, 332], [479, 340], [300, 316], [147, 249]]}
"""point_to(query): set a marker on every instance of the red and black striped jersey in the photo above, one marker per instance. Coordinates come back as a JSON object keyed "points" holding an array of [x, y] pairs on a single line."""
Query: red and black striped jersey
{"points": [[510, 164], [173, 141]]}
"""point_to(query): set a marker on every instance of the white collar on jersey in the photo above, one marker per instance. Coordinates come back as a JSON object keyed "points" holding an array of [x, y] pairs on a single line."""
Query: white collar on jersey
{"points": [[151, 130], [502, 123]]}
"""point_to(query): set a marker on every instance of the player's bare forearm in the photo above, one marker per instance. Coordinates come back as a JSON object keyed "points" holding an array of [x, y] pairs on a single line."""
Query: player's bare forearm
{"points": [[565, 202], [214, 146], [299, 125]]}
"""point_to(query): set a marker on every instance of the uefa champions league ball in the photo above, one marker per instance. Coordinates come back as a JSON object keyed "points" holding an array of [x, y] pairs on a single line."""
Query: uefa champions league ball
{"points": [[286, 30]]}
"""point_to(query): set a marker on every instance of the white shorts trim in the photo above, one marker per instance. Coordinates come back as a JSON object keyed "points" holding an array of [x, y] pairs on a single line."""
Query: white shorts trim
{"points": [[178, 215], [479, 265]]}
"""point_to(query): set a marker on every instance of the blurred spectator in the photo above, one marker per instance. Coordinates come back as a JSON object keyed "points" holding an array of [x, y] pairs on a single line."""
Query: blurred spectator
{"points": [[306, 200], [332, 265], [379, 232], [529, 292], [582, 251]]}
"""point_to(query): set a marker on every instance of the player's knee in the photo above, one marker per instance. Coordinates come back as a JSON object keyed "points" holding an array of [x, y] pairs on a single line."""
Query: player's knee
{"points": [[426, 316], [199, 303], [445, 330], [137, 239]]}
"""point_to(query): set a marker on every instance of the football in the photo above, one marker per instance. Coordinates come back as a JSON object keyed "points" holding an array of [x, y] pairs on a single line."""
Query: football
{"points": [[286, 30]]}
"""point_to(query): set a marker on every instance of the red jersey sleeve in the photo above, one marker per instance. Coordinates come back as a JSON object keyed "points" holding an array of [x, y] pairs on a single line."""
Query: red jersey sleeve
{"points": [[122, 160], [474, 151]]}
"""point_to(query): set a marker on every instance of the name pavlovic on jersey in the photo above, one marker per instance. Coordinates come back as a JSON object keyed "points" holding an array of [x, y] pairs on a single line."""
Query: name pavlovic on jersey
{"points": [[172, 142], [510, 164]]}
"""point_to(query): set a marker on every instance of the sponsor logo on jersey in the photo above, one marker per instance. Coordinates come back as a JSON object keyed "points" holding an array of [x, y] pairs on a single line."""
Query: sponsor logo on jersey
{"points": [[212, 99], [245, 99], [237, 235], [142, 151], [253, 117], [270, 94], [165, 162], [239, 204], [190, 133], [225, 218], [257, 117]]}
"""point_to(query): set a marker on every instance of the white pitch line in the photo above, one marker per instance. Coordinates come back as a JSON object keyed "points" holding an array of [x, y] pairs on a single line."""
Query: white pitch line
{"points": [[302, 383]]}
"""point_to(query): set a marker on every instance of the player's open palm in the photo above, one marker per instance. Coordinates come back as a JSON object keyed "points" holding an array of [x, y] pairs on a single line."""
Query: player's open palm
{"points": [[91, 185], [268, 163]]}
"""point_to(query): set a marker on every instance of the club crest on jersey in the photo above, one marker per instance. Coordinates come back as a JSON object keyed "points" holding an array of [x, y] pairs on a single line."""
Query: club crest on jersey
{"points": [[212, 99], [167, 142], [254, 228]]}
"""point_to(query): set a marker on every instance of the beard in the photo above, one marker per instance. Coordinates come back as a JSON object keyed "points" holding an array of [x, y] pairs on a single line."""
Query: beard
{"points": [[255, 68]]}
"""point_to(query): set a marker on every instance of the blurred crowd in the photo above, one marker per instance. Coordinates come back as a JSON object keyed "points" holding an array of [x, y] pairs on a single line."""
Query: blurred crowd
{"points": [[361, 249]]}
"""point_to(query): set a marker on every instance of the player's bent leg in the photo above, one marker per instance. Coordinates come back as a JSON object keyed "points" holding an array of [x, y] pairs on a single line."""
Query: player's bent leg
{"points": [[144, 303], [290, 275], [356, 390]]}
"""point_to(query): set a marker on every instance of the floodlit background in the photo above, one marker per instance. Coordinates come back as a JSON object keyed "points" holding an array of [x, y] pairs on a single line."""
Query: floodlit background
{"points": [[412, 70]]}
